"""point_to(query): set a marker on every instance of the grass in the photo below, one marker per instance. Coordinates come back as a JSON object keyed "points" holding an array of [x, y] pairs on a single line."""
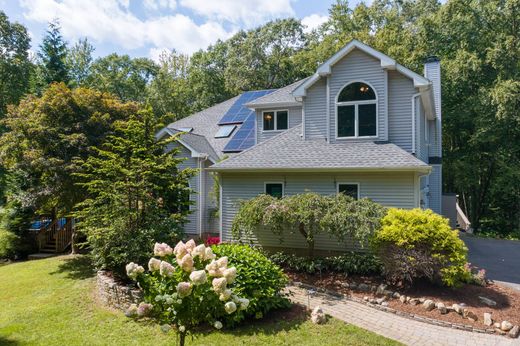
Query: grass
{"points": [[52, 302]]}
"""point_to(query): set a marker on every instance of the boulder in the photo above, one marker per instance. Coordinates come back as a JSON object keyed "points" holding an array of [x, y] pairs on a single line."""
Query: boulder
{"points": [[366, 298], [380, 290], [442, 308], [388, 293], [414, 301], [396, 295], [514, 332], [402, 299], [496, 325], [428, 305], [457, 308], [353, 285], [380, 300], [364, 287], [487, 301], [384, 304], [500, 331], [345, 285], [506, 326], [488, 321], [318, 316], [470, 315], [422, 300]]}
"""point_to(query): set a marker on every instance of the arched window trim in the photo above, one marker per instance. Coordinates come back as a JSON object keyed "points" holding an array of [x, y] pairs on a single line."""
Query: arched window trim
{"points": [[350, 103]]}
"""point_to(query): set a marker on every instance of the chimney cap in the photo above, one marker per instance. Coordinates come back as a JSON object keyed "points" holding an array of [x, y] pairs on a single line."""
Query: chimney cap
{"points": [[432, 58]]}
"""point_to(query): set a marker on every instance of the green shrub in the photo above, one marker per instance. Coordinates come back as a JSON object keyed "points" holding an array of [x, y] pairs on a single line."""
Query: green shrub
{"points": [[348, 263], [15, 238], [258, 279], [9, 243], [418, 243]]}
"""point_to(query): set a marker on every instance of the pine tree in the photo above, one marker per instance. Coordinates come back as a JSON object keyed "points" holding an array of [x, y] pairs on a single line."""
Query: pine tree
{"points": [[53, 55]]}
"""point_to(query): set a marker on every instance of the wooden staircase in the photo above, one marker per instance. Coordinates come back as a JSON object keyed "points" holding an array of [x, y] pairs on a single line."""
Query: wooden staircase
{"points": [[55, 237]]}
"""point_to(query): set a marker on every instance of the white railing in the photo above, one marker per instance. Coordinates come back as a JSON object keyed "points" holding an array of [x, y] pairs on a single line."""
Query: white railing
{"points": [[462, 220]]}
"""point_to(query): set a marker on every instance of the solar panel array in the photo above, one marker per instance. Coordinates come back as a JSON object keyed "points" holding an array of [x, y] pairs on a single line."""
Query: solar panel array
{"points": [[238, 113], [244, 138]]}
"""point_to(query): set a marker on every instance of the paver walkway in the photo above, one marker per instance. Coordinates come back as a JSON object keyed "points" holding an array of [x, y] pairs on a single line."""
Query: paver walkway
{"points": [[405, 330]]}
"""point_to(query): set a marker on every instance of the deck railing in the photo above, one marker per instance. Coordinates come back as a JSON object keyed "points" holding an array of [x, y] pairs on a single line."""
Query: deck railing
{"points": [[64, 235], [462, 220]]}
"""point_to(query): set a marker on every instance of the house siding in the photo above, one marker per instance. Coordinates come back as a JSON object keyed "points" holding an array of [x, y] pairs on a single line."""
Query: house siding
{"points": [[435, 189], [294, 118], [389, 189], [357, 66], [400, 93], [315, 106]]}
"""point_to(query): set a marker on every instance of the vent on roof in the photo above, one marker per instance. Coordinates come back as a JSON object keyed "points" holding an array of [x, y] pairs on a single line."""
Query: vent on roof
{"points": [[225, 131], [185, 129]]}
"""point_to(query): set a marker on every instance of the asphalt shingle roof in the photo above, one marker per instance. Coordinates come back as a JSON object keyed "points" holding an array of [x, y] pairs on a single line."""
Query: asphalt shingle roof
{"points": [[289, 151], [200, 144], [282, 95]]}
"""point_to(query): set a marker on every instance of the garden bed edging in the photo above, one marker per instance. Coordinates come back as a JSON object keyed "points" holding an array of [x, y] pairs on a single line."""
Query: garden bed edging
{"points": [[114, 294]]}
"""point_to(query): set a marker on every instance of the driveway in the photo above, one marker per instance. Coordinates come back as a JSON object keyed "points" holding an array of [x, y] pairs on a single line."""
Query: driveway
{"points": [[500, 258]]}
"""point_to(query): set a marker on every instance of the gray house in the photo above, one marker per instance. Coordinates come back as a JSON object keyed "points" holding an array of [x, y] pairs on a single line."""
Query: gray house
{"points": [[361, 124]]}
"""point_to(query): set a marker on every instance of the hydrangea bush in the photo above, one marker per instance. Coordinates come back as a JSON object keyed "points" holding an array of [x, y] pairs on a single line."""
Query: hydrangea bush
{"points": [[187, 286]]}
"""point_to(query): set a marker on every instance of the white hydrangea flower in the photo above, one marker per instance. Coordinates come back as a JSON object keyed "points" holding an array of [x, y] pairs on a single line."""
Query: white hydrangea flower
{"points": [[131, 311], [186, 263], [133, 270], [219, 285], [166, 269], [230, 307], [230, 274], [154, 264], [218, 325], [190, 245], [183, 289], [244, 303], [198, 277], [165, 328], [225, 295], [213, 269], [162, 249], [208, 254], [199, 250], [180, 250], [182, 329], [222, 262]]}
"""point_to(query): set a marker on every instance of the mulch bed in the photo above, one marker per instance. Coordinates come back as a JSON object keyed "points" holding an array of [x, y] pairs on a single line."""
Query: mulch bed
{"points": [[507, 307]]}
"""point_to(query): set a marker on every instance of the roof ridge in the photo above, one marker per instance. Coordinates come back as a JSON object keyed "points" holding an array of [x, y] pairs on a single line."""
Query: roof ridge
{"points": [[203, 110], [278, 90], [264, 142]]}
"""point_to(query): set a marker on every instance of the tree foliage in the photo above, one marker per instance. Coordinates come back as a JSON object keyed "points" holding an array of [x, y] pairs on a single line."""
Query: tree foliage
{"points": [[79, 62], [53, 52], [136, 193]]}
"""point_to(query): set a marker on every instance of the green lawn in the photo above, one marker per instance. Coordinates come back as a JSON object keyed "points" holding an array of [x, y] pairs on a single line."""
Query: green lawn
{"points": [[52, 302]]}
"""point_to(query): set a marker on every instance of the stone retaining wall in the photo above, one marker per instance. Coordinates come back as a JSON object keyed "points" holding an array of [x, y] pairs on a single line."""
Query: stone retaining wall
{"points": [[114, 294]]}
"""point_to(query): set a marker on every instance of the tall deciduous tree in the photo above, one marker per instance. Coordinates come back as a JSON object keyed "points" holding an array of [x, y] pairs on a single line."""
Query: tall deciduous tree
{"points": [[79, 61], [53, 53]]}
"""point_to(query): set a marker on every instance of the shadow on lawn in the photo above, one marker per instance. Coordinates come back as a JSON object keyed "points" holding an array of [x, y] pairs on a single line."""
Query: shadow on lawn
{"points": [[76, 267], [8, 342]]}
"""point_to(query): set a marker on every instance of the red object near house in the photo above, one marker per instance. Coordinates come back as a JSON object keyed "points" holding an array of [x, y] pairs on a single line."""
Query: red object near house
{"points": [[212, 241]]}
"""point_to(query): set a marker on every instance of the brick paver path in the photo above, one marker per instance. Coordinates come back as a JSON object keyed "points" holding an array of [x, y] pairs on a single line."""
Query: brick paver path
{"points": [[395, 327]]}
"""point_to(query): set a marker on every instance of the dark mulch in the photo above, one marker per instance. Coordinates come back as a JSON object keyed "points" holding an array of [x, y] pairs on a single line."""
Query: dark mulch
{"points": [[507, 308]]}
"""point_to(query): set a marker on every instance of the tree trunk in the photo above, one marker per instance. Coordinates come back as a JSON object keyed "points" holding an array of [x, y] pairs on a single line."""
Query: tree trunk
{"points": [[182, 338], [310, 241]]}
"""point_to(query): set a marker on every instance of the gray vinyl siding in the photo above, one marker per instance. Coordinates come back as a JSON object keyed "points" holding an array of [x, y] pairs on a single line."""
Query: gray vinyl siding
{"points": [[435, 189], [191, 226], [315, 106], [389, 189], [400, 93], [357, 66], [212, 223], [294, 118]]}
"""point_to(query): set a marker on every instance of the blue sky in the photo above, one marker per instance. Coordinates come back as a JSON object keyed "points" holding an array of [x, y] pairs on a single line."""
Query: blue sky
{"points": [[147, 27]]}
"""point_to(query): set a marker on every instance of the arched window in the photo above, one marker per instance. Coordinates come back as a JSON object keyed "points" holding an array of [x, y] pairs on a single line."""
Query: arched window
{"points": [[357, 111]]}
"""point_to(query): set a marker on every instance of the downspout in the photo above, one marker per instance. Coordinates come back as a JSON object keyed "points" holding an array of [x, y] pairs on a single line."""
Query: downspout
{"points": [[202, 191], [414, 121], [327, 111]]}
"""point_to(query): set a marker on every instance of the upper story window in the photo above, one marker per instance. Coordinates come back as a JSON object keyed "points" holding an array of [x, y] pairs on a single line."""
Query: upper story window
{"points": [[356, 111], [275, 120]]}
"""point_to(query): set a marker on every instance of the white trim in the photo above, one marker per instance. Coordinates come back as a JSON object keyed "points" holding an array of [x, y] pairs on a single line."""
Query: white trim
{"points": [[221, 210], [355, 104], [423, 169], [275, 112], [201, 194], [258, 106], [385, 106], [327, 111], [303, 121], [349, 183], [417, 190], [274, 182], [414, 122]]}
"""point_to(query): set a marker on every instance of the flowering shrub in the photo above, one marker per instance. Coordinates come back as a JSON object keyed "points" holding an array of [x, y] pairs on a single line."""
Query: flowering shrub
{"points": [[212, 241], [476, 276], [186, 286]]}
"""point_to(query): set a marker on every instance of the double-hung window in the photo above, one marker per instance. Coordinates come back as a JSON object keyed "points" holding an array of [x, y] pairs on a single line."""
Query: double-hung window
{"points": [[275, 120], [356, 111]]}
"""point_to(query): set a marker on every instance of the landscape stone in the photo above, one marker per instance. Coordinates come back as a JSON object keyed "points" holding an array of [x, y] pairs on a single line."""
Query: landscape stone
{"points": [[380, 300], [500, 331], [414, 301], [429, 305], [470, 315], [365, 298], [353, 285], [442, 308], [506, 326], [403, 299], [514, 332], [396, 295], [318, 316], [388, 293], [345, 285], [384, 304], [364, 287], [457, 308], [487, 301], [422, 300], [488, 321], [496, 325], [381, 289]]}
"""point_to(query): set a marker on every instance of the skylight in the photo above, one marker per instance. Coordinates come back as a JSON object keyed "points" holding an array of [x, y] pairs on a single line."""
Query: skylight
{"points": [[225, 131]]}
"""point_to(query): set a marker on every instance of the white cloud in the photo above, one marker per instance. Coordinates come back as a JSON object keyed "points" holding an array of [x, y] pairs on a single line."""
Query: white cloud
{"points": [[248, 12], [111, 21], [156, 53], [313, 21]]}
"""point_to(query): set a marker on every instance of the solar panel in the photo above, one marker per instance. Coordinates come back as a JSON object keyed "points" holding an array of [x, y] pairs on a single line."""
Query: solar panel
{"points": [[244, 138], [238, 113]]}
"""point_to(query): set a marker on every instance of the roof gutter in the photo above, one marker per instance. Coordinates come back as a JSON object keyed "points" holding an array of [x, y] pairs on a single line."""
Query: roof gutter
{"points": [[424, 169], [273, 104]]}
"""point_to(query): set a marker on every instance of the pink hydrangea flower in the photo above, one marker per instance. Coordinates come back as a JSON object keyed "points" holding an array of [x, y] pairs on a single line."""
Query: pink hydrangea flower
{"points": [[186, 263], [198, 277], [162, 249], [131, 311], [213, 269], [219, 285], [133, 270], [154, 264], [190, 245], [230, 274], [166, 269], [183, 289]]}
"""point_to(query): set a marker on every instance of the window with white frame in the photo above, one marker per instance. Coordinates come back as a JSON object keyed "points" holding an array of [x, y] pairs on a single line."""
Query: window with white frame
{"points": [[274, 189], [349, 189], [356, 111], [275, 120]]}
